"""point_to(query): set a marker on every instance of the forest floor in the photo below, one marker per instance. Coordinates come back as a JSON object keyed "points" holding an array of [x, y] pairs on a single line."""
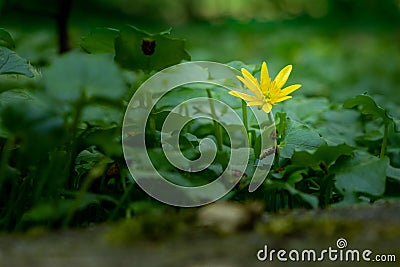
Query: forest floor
{"points": [[363, 227]]}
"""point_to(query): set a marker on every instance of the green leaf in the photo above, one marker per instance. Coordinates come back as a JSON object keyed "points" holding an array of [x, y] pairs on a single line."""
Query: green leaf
{"points": [[33, 117], [138, 50], [362, 173], [48, 211], [100, 40], [310, 199], [16, 95], [108, 140], [305, 109], [324, 154], [281, 123], [340, 126], [74, 74], [296, 177], [296, 136], [6, 40], [369, 107], [11, 63], [101, 115], [175, 178], [179, 95], [12, 97], [393, 173], [90, 155], [36, 126]]}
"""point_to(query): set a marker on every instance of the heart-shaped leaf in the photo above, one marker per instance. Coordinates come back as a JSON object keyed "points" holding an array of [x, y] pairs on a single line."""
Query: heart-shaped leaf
{"points": [[139, 50], [362, 173]]}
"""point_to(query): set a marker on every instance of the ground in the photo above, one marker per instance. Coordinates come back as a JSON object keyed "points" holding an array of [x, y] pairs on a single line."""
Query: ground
{"points": [[364, 227]]}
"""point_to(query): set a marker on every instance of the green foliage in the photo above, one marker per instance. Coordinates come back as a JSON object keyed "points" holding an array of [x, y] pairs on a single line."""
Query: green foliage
{"points": [[76, 75], [330, 157], [393, 173], [369, 107], [136, 49], [100, 40], [61, 161], [296, 136], [324, 156], [362, 173], [11, 62], [6, 40]]}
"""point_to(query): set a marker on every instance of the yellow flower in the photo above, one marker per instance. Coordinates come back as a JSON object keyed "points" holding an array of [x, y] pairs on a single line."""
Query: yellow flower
{"points": [[267, 92]]}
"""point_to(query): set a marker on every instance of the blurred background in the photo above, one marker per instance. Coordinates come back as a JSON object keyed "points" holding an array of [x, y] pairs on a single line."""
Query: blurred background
{"points": [[338, 47]]}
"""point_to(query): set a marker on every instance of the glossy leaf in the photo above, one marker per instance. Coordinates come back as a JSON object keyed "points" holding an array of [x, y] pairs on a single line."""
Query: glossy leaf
{"points": [[296, 136], [323, 155], [11, 63], [361, 173]]}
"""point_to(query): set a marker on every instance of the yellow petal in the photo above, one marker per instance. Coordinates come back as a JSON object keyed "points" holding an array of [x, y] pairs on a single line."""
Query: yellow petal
{"points": [[244, 96], [273, 89], [265, 79], [290, 89], [256, 103], [248, 75], [267, 107], [282, 99], [283, 76], [251, 85]]}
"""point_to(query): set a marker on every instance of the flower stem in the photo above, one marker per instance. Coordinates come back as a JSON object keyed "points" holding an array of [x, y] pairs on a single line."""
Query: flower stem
{"points": [[217, 127], [270, 117], [384, 142], [246, 121]]}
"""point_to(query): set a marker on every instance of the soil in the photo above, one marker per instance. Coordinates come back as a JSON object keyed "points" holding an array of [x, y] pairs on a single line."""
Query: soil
{"points": [[129, 243]]}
